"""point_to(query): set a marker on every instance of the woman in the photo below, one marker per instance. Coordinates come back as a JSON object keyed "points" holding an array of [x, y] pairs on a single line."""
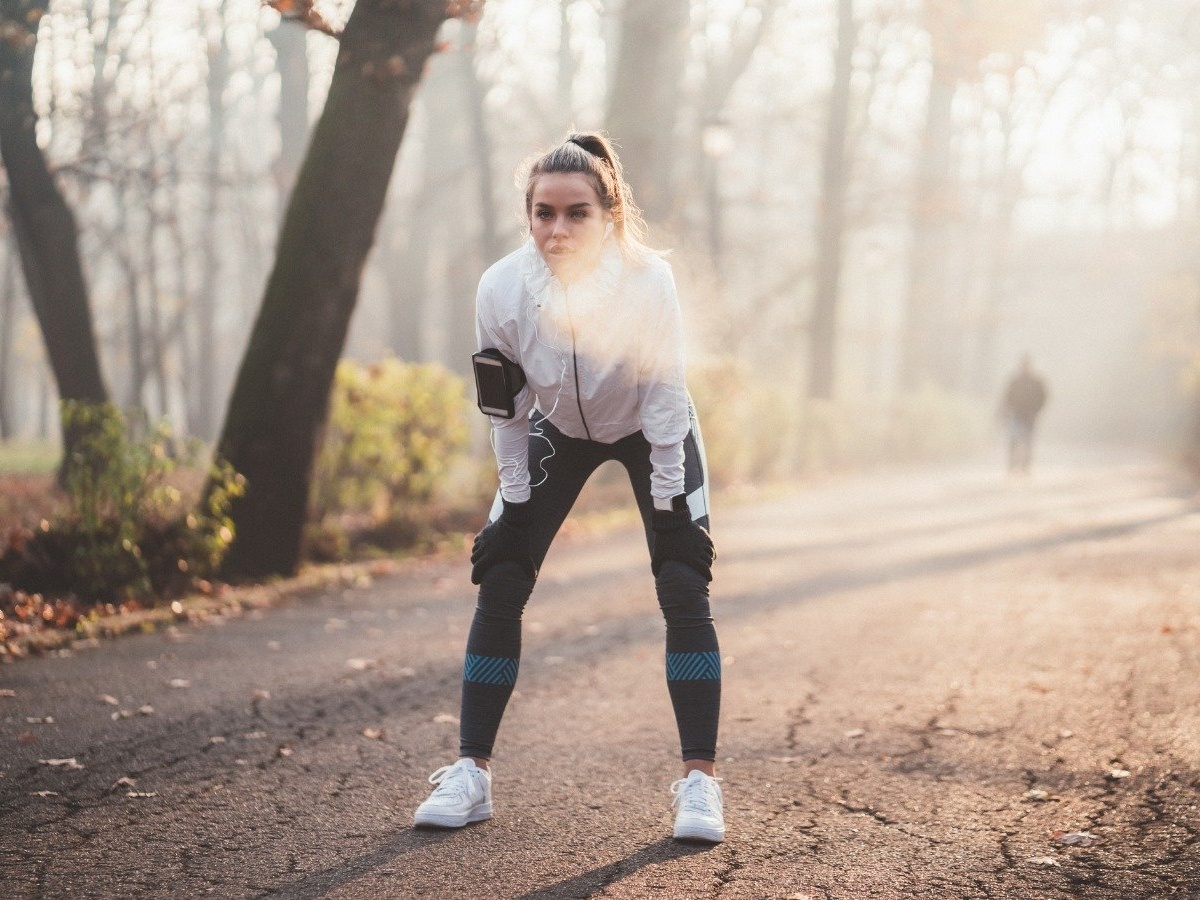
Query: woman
{"points": [[591, 316]]}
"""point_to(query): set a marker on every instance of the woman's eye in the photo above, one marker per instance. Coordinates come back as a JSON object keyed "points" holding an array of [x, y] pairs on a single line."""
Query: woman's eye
{"points": [[579, 214], [545, 214]]}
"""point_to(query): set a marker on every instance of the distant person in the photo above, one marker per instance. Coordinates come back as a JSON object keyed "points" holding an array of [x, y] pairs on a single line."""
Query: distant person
{"points": [[1023, 401], [581, 362]]}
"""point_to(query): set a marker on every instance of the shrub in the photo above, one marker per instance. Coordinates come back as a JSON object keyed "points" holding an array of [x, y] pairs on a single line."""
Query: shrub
{"points": [[395, 432], [124, 530]]}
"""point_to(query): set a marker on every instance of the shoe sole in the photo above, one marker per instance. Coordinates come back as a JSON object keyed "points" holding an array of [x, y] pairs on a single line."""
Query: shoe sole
{"points": [[446, 820], [696, 833]]}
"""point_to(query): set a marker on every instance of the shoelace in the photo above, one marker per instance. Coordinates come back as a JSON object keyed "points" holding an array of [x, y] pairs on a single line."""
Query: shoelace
{"points": [[451, 781], [698, 796]]}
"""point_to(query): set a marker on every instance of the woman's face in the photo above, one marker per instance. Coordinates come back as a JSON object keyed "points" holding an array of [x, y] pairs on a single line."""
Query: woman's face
{"points": [[568, 223]]}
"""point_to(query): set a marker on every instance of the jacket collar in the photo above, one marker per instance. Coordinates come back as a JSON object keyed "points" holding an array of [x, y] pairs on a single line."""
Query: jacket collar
{"points": [[544, 286]]}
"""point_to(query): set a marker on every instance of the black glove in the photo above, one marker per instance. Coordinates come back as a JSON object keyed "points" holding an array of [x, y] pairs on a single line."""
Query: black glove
{"points": [[505, 540], [678, 538]]}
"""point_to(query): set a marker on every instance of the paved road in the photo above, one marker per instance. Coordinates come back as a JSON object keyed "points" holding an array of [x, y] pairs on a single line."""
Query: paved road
{"points": [[910, 660]]}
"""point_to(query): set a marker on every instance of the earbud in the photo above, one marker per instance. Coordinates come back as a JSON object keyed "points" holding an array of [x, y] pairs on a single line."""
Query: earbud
{"points": [[608, 229]]}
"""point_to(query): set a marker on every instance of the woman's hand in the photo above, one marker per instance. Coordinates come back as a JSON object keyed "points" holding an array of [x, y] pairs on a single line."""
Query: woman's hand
{"points": [[678, 538], [505, 540]]}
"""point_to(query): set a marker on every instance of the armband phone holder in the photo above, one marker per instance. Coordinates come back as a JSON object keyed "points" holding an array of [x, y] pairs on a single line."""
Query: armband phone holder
{"points": [[498, 380]]}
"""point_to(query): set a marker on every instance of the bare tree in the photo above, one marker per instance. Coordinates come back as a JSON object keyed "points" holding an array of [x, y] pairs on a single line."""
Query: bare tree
{"points": [[644, 104], [280, 398], [831, 214], [43, 223]]}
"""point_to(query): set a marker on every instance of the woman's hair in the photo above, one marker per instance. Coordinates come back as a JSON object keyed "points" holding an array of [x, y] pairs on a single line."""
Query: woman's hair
{"points": [[590, 153]]}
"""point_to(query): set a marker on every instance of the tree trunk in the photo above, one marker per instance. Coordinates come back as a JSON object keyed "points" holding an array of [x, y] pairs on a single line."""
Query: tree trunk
{"points": [[481, 146], [205, 309], [564, 83], [8, 304], [933, 207], [644, 102], [280, 400], [290, 40], [43, 223], [831, 215], [157, 337]]}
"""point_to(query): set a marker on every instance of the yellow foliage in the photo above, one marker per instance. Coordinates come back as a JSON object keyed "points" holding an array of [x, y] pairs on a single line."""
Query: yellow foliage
{"points": [[395, 429]]}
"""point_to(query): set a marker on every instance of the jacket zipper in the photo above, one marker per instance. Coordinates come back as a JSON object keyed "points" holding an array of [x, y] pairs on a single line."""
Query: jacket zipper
{"points": [[575, 366]]}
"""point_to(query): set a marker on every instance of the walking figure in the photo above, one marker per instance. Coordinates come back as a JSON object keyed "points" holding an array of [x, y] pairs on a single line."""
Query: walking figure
{"points": [[581, 362], [1023, 401]]}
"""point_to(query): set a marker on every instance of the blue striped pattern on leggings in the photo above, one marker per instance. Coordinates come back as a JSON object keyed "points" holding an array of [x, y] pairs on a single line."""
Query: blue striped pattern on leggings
{"points": [[490, 669], [694, 666]]}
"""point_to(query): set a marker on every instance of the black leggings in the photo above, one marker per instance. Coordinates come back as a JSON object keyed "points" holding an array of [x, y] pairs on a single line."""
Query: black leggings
{"points": [[559, 466]]}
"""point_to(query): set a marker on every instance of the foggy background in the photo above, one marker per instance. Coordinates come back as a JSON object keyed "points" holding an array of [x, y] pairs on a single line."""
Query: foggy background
{"points": [[974, 181]]}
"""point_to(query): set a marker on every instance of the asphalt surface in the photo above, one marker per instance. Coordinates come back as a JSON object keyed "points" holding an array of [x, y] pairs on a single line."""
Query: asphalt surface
{"points": [[938, 683]]}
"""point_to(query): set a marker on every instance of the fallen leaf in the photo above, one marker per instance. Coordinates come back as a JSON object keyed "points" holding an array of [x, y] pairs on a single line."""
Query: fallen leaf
{"points": [[406, 672], [7, 692], [361, 665], [1076, 838], [121, 714], [254, 735], [1046, 862], [285, 751], [1118, 774], [1066, 733], [151, 664], [43, 793], [260, 694], [445, 719], [374, 734], [1036, 795], [783, 759], [39, 720], [61, 763], [179, 683], [216, 739], [110, 700], [141, 795], [854, 733], [124, 781], [146, 710]]}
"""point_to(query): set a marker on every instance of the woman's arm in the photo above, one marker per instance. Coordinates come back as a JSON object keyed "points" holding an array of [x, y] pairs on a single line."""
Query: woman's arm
{"points": [[510, 437], [662, 390]]}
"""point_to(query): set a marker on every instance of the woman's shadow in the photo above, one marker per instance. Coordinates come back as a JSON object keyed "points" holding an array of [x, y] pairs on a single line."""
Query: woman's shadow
{"points": [[318, 884], [589, 883]]}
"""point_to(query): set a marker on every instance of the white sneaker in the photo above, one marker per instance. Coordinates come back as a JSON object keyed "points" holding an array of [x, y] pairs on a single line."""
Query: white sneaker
{"points": [[699, 800], [463, 794]]}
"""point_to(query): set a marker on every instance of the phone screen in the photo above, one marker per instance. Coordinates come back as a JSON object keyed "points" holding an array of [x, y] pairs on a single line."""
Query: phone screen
{"points": [[492, 387]]}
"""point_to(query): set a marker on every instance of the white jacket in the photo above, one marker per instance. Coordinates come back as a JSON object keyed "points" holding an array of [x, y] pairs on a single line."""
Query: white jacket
{"points": [[622, 323]]}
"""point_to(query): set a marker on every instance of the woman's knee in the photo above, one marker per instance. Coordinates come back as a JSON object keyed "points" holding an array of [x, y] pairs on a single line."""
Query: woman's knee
{"points": [[682, 594], [504, 591]]}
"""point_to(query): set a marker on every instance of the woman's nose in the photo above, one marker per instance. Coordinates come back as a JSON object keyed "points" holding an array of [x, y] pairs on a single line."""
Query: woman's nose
{"points": [[560, 225]]}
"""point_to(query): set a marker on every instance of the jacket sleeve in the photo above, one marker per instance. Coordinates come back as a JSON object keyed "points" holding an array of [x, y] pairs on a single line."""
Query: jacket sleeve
{"points": [[662, 390], [510, 437]]}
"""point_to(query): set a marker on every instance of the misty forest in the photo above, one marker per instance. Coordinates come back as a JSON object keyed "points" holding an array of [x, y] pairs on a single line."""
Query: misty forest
{"points": [[256, 228]]}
